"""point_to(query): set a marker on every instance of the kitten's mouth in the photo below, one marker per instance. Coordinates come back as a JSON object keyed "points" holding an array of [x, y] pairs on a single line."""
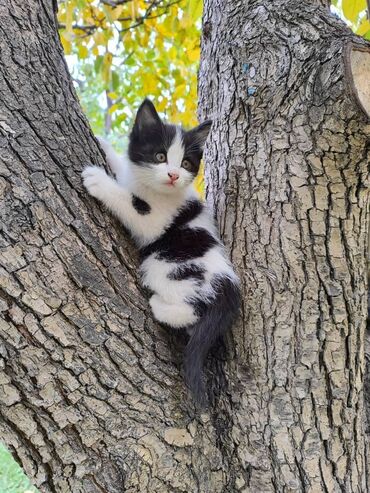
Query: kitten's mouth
{"points": [[170, 183]]}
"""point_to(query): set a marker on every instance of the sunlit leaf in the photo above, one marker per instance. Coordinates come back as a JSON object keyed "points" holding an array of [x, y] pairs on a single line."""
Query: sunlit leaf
{"points": [[107, 62], [113, 108], [195, 8], [67, 45], [363, 28], [69, 6], [82, 51], [352, 9]]}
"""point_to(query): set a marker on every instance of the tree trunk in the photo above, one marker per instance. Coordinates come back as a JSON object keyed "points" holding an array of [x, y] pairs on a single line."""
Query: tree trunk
{"points": [[286, 85], [92, 397]]}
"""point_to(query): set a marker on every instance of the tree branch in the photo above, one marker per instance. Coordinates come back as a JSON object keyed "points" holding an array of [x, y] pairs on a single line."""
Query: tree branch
{"points": [[89, 29]]}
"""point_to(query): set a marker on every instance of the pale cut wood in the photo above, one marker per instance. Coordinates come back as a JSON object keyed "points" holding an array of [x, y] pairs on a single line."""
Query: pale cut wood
{"points": [[359, 70]]}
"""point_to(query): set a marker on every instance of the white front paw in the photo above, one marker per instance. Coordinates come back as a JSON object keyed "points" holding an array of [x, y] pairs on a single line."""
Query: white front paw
{"points": [[104, 144], [95, 180]]}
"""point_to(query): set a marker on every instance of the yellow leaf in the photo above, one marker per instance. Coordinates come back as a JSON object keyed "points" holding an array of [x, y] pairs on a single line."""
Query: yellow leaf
{"points": [[100, 15], [113, 108], [70, 5], [82, 51], [149, 85], [133, 9], [186, 21], [99, 38], [172, 52], [179, 91], [352, 9], [194, 54], [162, 105], [112, 95], [107, 62], [195, 8], [67, 45], [364, 27], [86, 15], [117, 12]]}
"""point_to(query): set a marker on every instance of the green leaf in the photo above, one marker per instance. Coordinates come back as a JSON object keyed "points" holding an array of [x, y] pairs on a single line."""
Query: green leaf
{"points": [[98, 63], [115, 81]]}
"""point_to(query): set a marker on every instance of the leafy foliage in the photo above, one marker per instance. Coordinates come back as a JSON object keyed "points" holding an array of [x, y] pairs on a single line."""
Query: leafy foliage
{"points": [[121, 51], [130, 49], [355, 13]]}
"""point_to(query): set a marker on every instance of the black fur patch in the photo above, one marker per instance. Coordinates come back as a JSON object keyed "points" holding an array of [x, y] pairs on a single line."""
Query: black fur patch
{"points": [[187, 271], [145, 143], [141, 206], [150, 135], [216, 317], [187, 213], [180, 243], [193, 150]]}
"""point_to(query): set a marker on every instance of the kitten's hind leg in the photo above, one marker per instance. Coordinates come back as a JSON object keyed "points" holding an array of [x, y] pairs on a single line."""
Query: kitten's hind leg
{"points": [[114, 160], [175, 315]]}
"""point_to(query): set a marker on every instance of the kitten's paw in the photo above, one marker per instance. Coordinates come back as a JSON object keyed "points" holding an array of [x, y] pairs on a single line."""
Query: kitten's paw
{"points": [[95, 180], [104, 144]]}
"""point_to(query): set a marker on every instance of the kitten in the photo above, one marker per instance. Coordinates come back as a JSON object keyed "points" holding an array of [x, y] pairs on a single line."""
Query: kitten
{"points": [[183, 261]]}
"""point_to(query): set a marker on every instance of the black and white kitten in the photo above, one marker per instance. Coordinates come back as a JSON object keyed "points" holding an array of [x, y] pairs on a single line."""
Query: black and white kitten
{"points": [[183, 261]]}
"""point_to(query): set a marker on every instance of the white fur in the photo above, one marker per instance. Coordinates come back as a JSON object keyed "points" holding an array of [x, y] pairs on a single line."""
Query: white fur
{"points": [[175, 153], [176, 315], [118, 198], [169, 303]]}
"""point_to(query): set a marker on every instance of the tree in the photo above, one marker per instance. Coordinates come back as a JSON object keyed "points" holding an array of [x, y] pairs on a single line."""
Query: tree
{"points": [[286, 84], [92, 397]]}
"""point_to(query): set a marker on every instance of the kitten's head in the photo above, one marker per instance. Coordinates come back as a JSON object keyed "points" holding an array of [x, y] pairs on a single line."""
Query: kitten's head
{"points": [[165, 157]]}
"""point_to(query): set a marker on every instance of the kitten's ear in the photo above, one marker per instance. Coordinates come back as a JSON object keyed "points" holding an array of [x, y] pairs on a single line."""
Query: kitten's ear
{"points": [[146, 115], [200, 133]]}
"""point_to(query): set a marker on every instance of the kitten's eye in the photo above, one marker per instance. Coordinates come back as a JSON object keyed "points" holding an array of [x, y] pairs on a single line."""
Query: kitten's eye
{"points": [[187, 165], [160, 157]]}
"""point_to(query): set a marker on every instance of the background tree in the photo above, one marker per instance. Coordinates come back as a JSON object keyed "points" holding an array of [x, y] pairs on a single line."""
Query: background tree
{"points": [[121, 52]]}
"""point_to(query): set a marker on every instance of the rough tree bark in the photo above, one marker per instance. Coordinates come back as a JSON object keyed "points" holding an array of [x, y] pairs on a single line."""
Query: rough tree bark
{"points": [[286, 84]]}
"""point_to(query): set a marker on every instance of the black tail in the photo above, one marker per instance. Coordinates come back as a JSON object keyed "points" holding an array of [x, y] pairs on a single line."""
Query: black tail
{"points": [[217, 318]]}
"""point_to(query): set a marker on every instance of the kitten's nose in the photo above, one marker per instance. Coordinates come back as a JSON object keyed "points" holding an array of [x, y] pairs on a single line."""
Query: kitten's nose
{"points": [[173, 176]]}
